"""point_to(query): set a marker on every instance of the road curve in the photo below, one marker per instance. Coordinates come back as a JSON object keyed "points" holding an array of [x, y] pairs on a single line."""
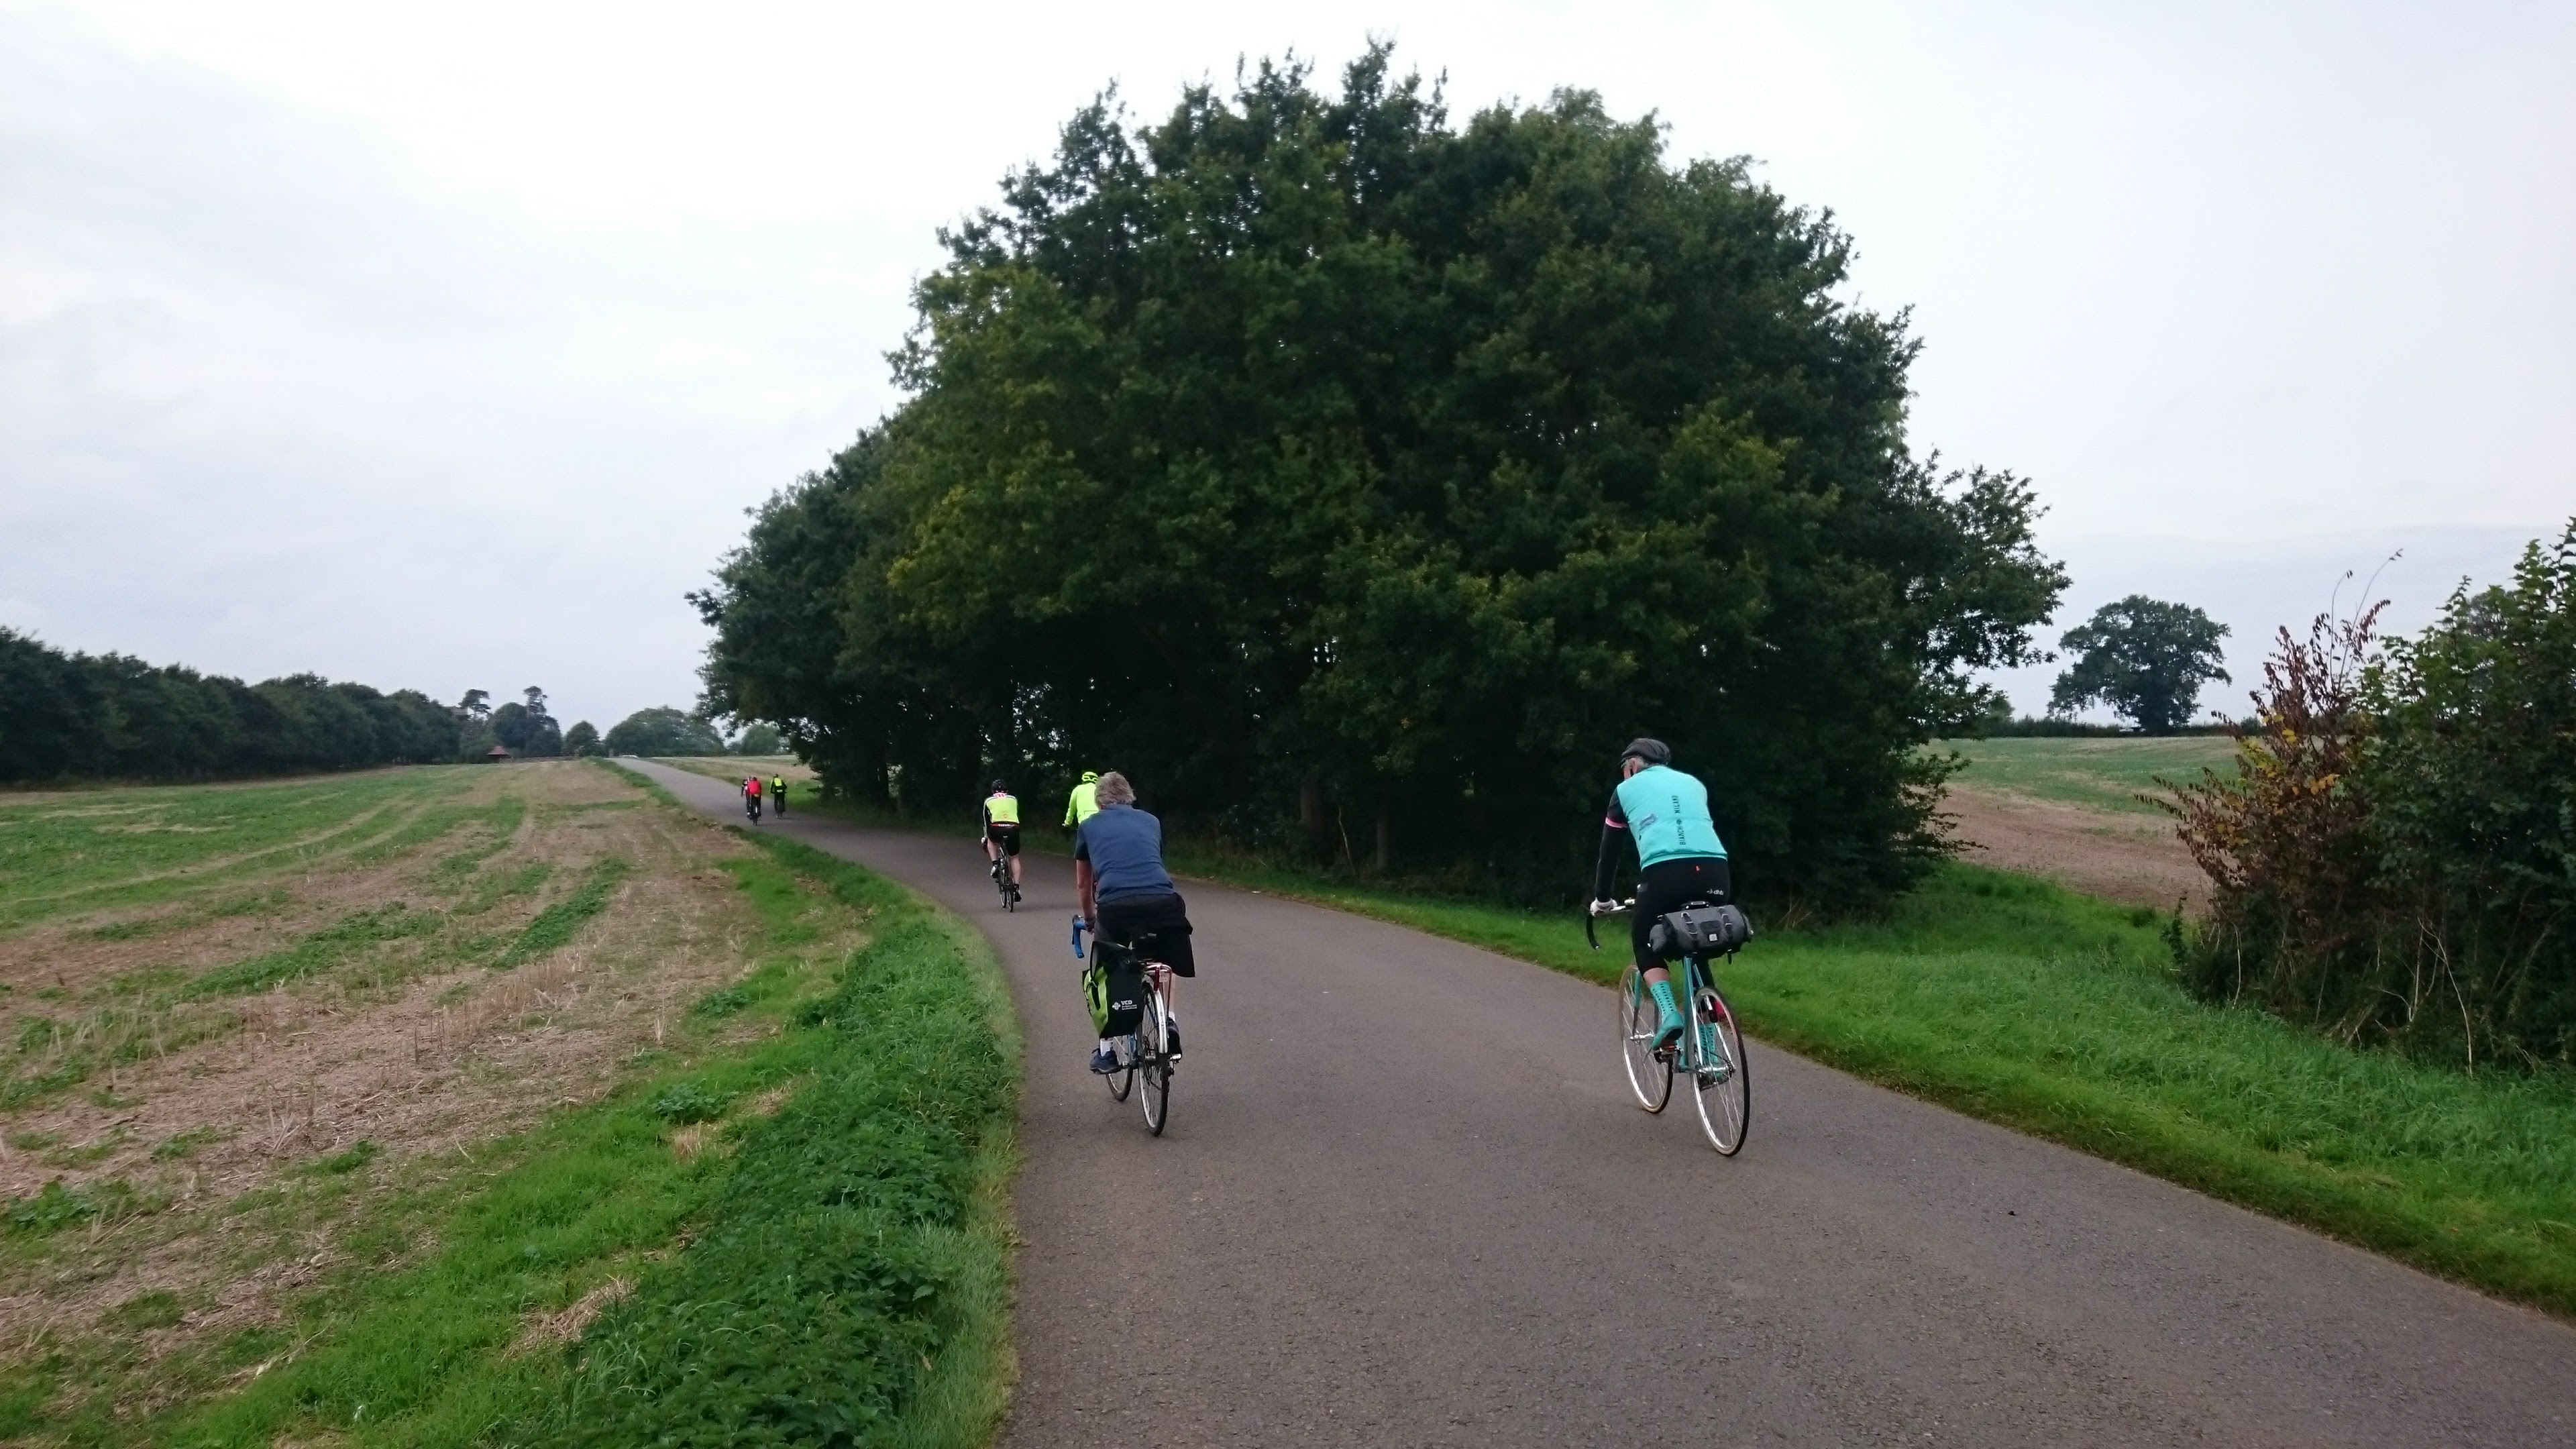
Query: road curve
{"points": [[1406, 1200]]}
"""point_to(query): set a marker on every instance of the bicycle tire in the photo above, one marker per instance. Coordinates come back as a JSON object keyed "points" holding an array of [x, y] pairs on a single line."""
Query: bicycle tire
{"points": [[1649, 1077], [1123, 1080], [1722, 1085], [1154, 1066]]}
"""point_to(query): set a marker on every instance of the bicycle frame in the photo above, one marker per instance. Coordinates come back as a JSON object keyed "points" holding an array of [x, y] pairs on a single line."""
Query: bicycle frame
{"points": [[1708, 1053]]}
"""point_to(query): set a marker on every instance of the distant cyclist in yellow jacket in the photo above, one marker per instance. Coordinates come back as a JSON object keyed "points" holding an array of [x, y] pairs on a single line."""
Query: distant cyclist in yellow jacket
{"points": [[1084, 802], [778, 795], [1002, 833]]}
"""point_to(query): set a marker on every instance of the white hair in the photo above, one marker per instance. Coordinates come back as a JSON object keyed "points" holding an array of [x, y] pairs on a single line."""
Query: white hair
{"points": [[1113, 789]]}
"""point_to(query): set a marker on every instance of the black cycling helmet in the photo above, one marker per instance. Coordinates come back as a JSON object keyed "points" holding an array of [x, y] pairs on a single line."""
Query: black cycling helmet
{"points": [[1653, 752]]}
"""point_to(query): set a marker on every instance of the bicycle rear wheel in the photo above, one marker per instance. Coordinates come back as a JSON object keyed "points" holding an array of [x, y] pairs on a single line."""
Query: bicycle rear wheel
{"points": [[1723, 1087], [1649, 1077], [1154, 1064], [1123, 1080]]}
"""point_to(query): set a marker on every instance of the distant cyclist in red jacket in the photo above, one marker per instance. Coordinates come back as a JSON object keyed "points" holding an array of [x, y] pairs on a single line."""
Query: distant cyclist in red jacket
{"points": [[751, 797]]}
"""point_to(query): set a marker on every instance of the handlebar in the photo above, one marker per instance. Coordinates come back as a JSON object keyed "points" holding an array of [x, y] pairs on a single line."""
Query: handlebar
{"points": [[1596, 910]]}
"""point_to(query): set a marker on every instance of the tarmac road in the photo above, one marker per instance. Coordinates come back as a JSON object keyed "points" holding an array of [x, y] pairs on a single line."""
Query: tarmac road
{"points": [[1407, 1200]]}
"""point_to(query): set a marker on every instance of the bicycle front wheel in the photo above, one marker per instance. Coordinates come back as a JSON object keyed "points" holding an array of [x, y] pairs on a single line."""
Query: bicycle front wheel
{"points": [[1724, 1089], [1154, 1064], [1650, 1077]]}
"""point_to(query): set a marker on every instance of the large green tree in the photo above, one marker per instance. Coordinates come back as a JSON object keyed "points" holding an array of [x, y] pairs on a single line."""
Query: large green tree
{"points": [[2145, 659], [1332, 468]]}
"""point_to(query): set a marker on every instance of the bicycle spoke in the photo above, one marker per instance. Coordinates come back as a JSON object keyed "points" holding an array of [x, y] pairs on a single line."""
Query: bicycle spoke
{"points": [[1722, 1083]]}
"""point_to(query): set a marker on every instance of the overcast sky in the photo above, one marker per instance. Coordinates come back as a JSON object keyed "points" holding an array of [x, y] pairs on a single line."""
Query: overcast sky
{"points": [[444, 349]]}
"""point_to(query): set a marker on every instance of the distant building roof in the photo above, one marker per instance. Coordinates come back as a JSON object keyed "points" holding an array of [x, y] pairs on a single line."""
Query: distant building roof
{"points": [[497, 752]]}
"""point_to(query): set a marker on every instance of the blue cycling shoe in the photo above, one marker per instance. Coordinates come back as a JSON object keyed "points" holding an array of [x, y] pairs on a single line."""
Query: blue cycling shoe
{"points": [[1103, 1061], [1669, 1034]]}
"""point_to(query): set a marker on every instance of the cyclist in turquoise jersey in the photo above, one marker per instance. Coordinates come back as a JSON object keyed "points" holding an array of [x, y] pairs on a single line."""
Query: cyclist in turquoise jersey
{"points": [[1680, 860]]}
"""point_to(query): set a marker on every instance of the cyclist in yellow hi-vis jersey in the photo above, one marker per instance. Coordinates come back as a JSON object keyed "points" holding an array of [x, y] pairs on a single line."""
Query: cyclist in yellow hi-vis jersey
{"points": [[778, 795], [1002, 833], [1084, 802]]}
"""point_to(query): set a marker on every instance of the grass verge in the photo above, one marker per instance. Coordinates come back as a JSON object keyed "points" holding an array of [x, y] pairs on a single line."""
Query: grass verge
{"points": [[797, 1233], [2054, 1013]]}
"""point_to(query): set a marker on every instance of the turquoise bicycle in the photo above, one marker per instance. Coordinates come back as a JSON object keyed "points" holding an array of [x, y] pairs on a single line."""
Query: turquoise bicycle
{"points": [[1710, 1053]]}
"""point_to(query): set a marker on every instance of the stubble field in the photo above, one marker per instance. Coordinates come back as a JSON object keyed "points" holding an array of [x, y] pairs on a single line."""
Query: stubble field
{"points": [[274, 1053]]}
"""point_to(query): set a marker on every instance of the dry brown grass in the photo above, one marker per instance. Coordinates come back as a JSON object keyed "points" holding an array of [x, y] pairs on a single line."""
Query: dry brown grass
{"points": [[2133, 859], [429, 1060], [550, 1330]]}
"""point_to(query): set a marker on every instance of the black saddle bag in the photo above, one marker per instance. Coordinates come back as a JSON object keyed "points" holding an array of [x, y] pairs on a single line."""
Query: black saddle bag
{"points": [[1699, 931]]}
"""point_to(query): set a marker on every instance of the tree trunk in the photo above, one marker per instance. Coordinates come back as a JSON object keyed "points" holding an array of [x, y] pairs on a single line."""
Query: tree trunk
{"points": [[1385, 840], [1310, 807]]}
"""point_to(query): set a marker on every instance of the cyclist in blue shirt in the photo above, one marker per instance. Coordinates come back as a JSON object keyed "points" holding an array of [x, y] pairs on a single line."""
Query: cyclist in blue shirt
{"points": [[1680, 860], [1126, 894]]}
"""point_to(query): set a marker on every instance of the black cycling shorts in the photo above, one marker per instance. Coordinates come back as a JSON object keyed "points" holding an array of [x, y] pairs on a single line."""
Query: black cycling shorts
{"points": [[1666, 887], [1005, 836], [1157, 926]]}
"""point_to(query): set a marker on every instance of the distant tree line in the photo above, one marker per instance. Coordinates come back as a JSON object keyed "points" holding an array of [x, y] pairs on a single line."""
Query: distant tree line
{"points": [[1360, 483], [113, 716], [2394, 853]]}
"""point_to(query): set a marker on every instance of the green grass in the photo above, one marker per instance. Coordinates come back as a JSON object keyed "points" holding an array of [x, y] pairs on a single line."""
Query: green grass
{"points": [[556, 925], [2101, 773], [142, 847], [833, 1258]]}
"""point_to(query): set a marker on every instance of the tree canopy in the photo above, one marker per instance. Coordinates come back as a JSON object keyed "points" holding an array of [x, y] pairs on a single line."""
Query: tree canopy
{"points": [[664, 731], [2145, 659], [526, 727], [1329, 467]]}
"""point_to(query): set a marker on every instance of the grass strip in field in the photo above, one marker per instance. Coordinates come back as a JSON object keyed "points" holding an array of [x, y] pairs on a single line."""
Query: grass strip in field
{"points": [[556, 925], [821, 1256], [343, 940]]}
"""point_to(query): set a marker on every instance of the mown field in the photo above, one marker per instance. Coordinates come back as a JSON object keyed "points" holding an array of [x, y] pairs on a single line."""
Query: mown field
{"points": [[2015, 1000], [485, 1105], [2105, 773]]}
